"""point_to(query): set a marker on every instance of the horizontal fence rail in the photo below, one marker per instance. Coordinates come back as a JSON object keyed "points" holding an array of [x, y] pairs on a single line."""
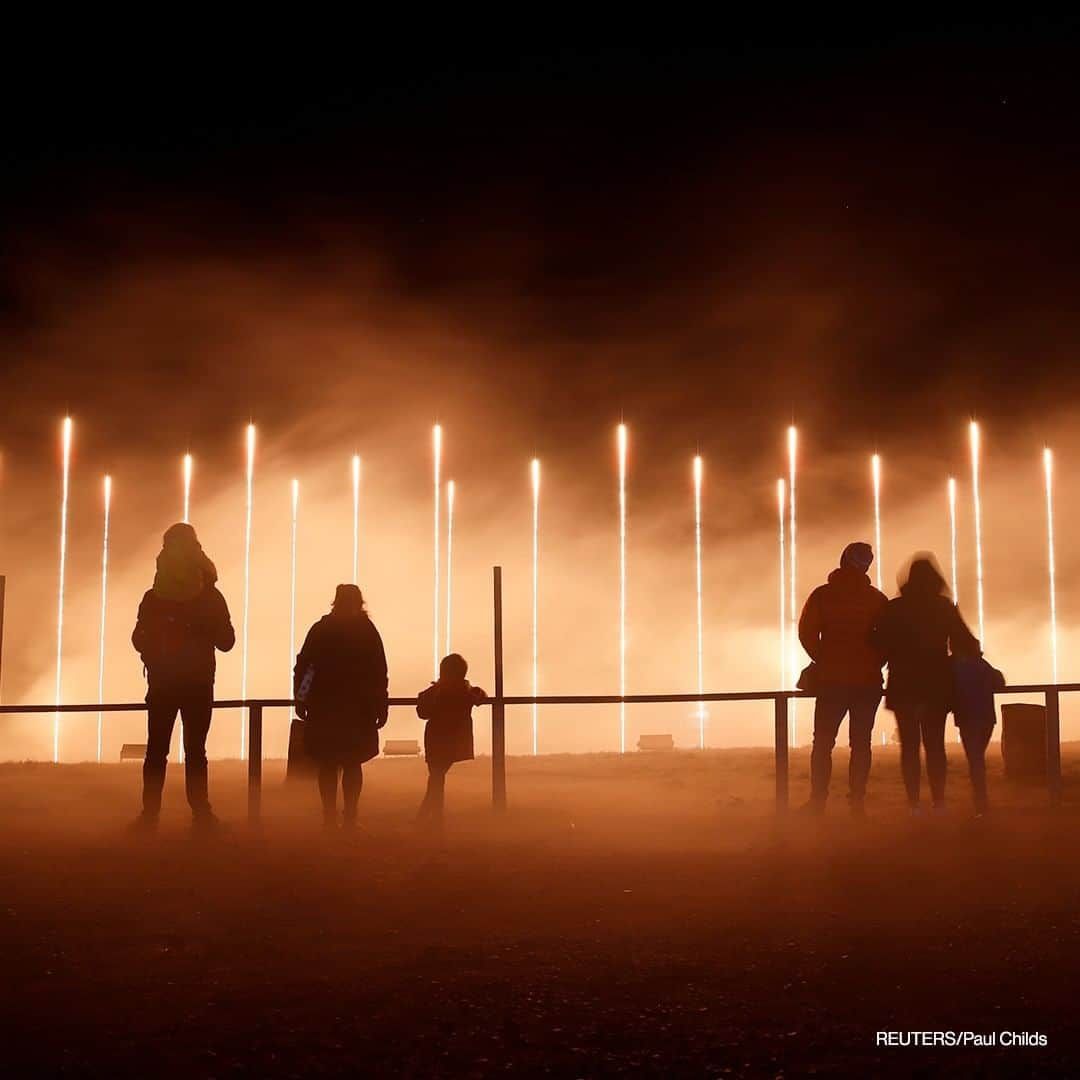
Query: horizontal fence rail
{"points": [[780, 699]]}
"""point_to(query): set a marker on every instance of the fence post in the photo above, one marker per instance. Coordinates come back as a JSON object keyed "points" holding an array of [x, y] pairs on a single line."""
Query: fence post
{"points": [[498, 708], [1053, 746], [781, 738], [3, 590], [255, 734]]}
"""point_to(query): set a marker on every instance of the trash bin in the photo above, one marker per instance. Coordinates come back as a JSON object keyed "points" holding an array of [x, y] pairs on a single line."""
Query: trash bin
{"points": [[1023, 741]]}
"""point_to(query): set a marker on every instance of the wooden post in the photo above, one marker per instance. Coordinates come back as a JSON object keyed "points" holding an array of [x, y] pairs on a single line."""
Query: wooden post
{"points": [[255, 734], [781, 738], [498, 707], [1053, 747]]}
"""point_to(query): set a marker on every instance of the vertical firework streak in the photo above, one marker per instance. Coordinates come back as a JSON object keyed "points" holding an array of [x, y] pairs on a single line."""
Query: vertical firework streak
{"points": [[698, 469], [1048, 468], [781, 501], [292, 582], [247, 582], [66, 443], [952, 539], [104, 600], [977, 505], [622, 586], [436, 441], [535, 599], [794, 635], [187, 488], [875, 469], [356, 519], [449, 559]]}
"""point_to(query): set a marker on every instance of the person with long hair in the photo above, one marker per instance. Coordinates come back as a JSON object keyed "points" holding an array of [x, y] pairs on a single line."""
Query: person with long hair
{"points": [[917, 632], [340, 683]]}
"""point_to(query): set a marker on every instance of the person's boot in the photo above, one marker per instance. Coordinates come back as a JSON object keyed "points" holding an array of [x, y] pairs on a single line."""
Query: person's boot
{"points": [[204, 822], [813, 807], [145, 824]]}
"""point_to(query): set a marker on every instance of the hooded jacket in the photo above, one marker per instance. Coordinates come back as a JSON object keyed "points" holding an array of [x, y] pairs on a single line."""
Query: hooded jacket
{"points": [[835, 628], [182, 619], [447, 707]]}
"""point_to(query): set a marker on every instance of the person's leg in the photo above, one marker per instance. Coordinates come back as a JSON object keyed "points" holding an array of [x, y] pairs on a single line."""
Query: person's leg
{"points": [[863, 711], [933, 736], [975, 742], [829, 710], [907, 722], [352, 782], [328, 782], [195, 716], [160, 718]]}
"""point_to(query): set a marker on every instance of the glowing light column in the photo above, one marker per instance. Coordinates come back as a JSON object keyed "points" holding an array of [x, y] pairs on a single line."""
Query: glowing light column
{"points": [[792, 440], [356, 519], [952, 539], [875, 470], [247, 583], [292, 581], [104, 596], [781, 501], [436, 442], [622, 446], [449, 558], [698, 470], [535, 598], [66, 447], [1048, 468], [977, 505], [188, 465]]}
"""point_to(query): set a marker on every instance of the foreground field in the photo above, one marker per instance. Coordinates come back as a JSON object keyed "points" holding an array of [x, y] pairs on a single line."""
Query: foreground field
{"points": [[647, 914]]}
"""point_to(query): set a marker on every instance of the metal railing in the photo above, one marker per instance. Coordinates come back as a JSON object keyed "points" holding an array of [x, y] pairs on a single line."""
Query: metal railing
{"points": [[499, 700]]}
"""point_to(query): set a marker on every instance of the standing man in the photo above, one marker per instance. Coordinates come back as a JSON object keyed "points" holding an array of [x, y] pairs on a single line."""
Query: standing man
{"points": [[835, 629], [182, 620]]}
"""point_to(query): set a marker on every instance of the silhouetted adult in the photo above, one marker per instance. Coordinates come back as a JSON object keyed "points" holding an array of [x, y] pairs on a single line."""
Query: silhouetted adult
{"points": [[915, 633], [182, 620], [835, 631], [341, 676]]}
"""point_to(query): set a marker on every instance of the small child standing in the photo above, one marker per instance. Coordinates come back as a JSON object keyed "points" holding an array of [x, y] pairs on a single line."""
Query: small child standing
{"points": [[447, 707], [974, 683]]}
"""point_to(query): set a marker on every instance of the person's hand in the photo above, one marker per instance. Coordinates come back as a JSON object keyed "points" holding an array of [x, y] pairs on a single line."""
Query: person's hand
{"points": [[301, 710], [383, 716]]}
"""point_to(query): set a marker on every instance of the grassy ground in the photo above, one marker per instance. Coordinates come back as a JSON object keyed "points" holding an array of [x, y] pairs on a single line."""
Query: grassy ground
{"points": [[647, 913]]}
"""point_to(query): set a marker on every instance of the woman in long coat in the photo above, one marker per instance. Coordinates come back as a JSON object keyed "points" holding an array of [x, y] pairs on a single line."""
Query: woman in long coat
{"points": [[340, 683]]}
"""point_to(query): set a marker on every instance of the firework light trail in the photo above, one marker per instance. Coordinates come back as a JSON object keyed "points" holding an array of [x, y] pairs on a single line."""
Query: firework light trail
{"points": [[622, 586], [247, 582], [66, 443], [698, 469], [104, 596], [187, 488], [793, 437], [356, 519], [436, 442], [977, 505], [781, 501], [292, 582], [449, 558], [535, 470], [1048, 468], [952, 539], [875, 469]]}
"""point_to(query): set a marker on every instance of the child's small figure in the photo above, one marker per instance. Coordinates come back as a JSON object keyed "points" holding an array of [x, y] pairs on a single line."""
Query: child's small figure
{"points": [[974, 683], [447, 707]]}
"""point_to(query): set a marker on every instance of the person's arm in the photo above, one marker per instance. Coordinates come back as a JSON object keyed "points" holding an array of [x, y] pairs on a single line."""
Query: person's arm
{"points": [[221, 629], [381, 679], [810, 625], [425, 702], [139, 635], [961, 639]]}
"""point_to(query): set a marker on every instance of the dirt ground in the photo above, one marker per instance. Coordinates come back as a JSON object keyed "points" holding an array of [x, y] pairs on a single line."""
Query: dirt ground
{"points": [[646, 914]]}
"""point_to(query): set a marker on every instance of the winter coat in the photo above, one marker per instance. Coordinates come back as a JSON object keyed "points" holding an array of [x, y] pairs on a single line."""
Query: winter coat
{"points": [[915, 633], [447, 707], [974, 682], [347, 697], [835, 627], [177, 638]]}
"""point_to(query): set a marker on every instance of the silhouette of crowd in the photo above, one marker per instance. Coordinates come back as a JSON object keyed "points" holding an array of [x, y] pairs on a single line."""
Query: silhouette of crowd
{"points": [[850, 630]]}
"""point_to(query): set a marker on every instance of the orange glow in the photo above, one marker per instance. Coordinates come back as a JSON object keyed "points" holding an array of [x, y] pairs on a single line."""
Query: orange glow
{"points": [[66, 447], [104, 595]]}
